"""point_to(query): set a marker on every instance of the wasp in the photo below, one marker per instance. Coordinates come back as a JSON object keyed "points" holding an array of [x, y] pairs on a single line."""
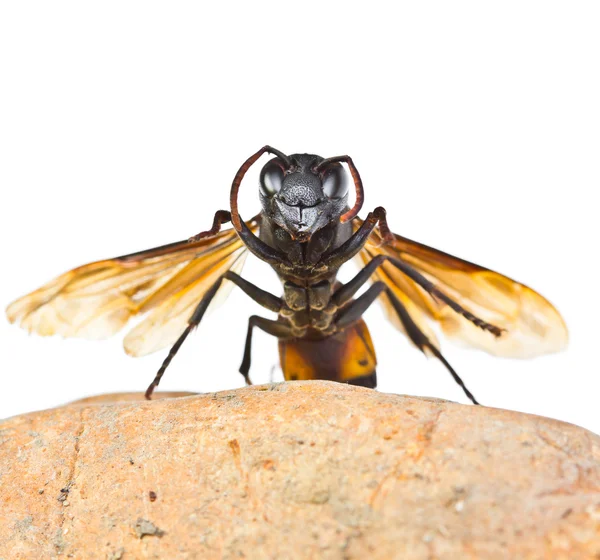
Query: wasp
{"points": [[305, 231]]}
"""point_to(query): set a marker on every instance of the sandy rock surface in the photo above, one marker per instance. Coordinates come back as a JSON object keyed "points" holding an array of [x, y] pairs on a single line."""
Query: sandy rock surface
{"points": [[288, 471]]}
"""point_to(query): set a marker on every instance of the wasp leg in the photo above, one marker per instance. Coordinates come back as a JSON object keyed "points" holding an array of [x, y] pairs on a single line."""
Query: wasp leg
{"points": [[345, 292], [274, 328], [354, 244], [267, 300], [432, 289], [354, 311], [259, 248], [262, 297], [420, 340], [221, 217], [254, 244]]}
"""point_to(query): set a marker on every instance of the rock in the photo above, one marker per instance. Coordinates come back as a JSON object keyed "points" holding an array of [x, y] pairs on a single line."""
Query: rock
{"points": [[293, 471]]}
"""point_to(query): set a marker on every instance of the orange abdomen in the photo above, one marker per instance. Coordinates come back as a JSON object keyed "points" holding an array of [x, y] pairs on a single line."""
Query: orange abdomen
{"points": [[347, 357]]}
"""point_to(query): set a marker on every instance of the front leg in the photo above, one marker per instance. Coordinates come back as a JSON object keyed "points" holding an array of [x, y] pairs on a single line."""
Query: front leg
{"points": [[354, 244], [253, 243]]}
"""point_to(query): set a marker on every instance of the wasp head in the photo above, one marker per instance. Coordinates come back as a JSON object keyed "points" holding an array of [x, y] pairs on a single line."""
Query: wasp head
{"points": [[300, 198]]}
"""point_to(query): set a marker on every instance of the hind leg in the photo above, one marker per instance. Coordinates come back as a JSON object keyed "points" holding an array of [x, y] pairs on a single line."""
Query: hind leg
{"points": [[420, 340], [354, 310]]}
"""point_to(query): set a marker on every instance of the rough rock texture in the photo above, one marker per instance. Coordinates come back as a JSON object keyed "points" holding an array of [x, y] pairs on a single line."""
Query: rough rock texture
{"points": [[301, 470]]}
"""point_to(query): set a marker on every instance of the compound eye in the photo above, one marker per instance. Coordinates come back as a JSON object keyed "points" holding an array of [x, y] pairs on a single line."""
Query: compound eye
{"points": [[335, 182], [271, 178]]}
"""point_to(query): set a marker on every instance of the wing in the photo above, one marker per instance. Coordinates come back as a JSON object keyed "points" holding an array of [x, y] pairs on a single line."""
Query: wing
{"points": [[165, 284], [532, 325]]}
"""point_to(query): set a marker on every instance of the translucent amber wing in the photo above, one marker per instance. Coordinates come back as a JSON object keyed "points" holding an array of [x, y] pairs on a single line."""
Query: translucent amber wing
{"points": [[167, 320], [96, 300], [532, 325]]}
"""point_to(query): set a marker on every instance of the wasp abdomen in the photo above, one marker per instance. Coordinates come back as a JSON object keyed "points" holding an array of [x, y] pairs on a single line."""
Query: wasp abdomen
{"points": [[347, 356]]}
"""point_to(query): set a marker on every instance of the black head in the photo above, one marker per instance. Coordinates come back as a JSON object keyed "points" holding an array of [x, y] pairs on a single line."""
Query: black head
{"points": [[301, 198], [301, 193]]}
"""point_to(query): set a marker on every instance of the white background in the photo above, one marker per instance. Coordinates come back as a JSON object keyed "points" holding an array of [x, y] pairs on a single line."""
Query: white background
{"points": [[476, 124]]}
